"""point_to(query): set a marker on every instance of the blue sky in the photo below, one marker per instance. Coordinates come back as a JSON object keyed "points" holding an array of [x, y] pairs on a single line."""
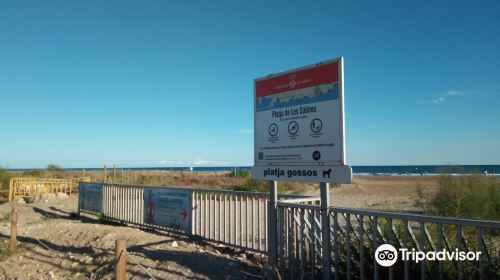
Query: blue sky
{"points": [[169, 83]]}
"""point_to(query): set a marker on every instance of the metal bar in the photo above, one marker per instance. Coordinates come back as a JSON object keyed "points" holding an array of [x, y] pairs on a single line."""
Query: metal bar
{"points": [[440, 248], [480, 239], [291, 239], [253, 222], [421, 218], [229, 218], [361, 249], [459, 246], [312, 243], [281, 240], [336, 244], [246, 224], [389, 241], [348, 245], [219, 201], [198, 209], [241, 222], [258, 223], [205, 214], [405, 245], [266, 227], [325, 228], [375, 245], [422, 248], [224, 215], [235, 223], [302, 244]]}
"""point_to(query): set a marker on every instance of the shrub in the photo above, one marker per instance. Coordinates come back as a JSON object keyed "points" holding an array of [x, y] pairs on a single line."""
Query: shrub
{"points": [[239, 173], [471, 196], [36, 173]]}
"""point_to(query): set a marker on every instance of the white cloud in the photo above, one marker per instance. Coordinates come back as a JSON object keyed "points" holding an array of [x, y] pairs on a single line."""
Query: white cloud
{"points": [[442, 97]]}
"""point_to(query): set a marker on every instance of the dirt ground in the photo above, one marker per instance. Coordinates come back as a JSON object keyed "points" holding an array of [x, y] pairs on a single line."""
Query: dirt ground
{"points": [[55, 244], [382, 192]]}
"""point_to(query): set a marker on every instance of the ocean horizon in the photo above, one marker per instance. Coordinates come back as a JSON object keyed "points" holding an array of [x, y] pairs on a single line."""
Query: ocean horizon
{"points": [[359, 170]]}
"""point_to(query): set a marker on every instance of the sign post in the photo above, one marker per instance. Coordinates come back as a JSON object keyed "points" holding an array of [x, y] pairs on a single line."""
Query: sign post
{"points": [[300, 136], [272, 228]]}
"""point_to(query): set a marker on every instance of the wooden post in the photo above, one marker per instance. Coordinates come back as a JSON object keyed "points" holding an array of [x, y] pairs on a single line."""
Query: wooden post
{"points": [[121, 259], [114, 173], [13, 227], [105, 174]]}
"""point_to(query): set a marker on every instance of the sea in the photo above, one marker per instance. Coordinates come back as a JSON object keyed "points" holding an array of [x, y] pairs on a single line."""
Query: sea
{"points": [[361, 170]]}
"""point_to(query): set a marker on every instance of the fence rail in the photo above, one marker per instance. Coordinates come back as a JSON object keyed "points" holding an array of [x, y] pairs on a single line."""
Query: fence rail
{"points": [[26, 187], [313, 240], [234, 218], [355, 234]]}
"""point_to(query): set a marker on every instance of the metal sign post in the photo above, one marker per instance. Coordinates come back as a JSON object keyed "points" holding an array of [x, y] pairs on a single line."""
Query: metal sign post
{"points": [[300, 136], [272, 233], [325, 224]]}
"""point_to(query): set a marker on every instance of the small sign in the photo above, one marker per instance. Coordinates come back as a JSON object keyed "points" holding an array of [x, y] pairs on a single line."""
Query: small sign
{"points": [[90, 196], [299, 125], [167, 207]]}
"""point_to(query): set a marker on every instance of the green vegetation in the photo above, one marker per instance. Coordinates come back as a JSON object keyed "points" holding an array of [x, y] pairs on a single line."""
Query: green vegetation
{"points": [[240, 173], [4, 249], [470, 196], [5, 178]]}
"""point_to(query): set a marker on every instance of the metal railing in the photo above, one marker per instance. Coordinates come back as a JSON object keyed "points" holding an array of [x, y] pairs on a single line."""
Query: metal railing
{"points": [[355, 234], [234, 218], [26, 187]]}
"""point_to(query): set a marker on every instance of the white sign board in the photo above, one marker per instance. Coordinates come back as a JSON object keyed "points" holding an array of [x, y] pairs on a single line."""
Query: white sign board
{"points": [[167, 207], [299, 125]]}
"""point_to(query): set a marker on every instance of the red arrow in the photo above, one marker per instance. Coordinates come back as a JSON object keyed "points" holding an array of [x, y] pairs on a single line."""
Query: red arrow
{"points": [[184, 214]]}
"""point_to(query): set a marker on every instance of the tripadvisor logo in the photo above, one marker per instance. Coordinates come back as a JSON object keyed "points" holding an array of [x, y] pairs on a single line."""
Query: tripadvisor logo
{"points": [[386, 255]]}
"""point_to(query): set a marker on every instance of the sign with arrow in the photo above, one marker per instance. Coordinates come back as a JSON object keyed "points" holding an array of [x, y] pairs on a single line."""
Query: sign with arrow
{"points": [[167, 207]]}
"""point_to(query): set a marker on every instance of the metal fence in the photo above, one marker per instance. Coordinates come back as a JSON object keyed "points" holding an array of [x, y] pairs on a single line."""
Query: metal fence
{"points": [[314, 241], [27, 187], [234, 218], [355, 234]]}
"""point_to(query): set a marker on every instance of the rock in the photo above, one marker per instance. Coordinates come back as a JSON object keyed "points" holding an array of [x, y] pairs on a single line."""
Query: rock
{"points": [[243, 256], [87, 260], [20, 200], [74, 265], [52, 275], [174, 244], [183, 244], [61, 195]]}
